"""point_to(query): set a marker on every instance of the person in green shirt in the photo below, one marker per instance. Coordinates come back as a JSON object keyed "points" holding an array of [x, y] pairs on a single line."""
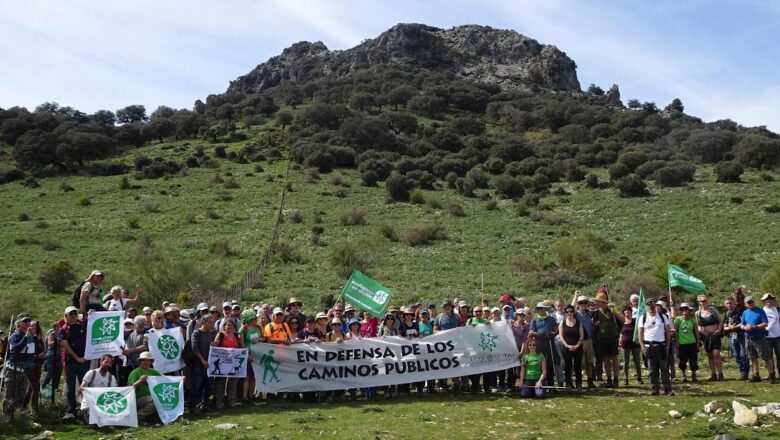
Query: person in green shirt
{"points": [[687, 332], [476, 318], [251, 334], [143, 399], [533, 372]]}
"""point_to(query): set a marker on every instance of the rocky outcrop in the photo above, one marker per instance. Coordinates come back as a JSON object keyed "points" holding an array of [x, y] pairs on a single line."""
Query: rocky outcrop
{"points": [[613, 96], [477, 53]]}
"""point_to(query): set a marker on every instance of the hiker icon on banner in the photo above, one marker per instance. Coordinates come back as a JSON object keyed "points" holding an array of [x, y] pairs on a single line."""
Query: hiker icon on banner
{"points": [[227, 362]]}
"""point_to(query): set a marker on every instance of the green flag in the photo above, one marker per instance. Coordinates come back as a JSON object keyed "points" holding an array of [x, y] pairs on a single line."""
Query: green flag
{"points": [[679, 277], [367, 294], [640, 311]]}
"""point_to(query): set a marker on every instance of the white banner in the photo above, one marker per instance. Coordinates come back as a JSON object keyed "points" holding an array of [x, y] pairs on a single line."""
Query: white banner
{"points": [[105, 334], [372, 362], [166, 347], [111, 406], [228, 362], [168, 396]]}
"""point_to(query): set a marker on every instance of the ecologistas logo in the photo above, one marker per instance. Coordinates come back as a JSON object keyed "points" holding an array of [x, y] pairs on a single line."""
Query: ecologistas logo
{"points": [[105, 330]]}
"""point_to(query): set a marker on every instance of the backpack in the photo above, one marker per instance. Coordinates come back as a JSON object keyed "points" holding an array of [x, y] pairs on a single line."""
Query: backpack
{"points": [[187, 355], [76, 298], [92, 379]]}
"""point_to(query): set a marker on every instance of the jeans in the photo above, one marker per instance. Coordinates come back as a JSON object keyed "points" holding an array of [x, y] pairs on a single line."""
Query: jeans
{"points": [[201, 390], [739, 353], [529, 389], [657, 359], [629, 353], [53, 368], [73, 378]]}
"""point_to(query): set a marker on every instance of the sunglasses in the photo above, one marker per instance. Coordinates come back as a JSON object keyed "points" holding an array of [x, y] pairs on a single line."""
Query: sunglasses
{"points": [[703, 301], [582, 302], [294, 322], [569, 311], [73, 313]]}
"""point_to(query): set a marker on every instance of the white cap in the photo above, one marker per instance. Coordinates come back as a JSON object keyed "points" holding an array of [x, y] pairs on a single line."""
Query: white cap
{"points": [[202, 306], [227, 304], [277, 311]]}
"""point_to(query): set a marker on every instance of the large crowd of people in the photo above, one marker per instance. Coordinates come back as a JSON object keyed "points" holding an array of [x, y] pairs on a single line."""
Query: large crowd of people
{"points": [[562, 345]]}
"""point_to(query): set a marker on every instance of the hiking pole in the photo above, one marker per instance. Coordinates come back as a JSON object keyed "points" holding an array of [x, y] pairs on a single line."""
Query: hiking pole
{"points": [[552, 358], [7, 351]]}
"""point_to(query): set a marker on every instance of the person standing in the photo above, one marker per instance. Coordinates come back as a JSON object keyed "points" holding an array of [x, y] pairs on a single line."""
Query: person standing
{"points": [[710, 331], [630, 348], [201, 341], [226, 338], [733, 328], [654, 340], [477, 318], [571, 336], [446, 320], [754, 323], [73, 341], [52, 363], [135, 344], [773, 328], [586, 319], [687, 340], [21, 355], [607, 322]]}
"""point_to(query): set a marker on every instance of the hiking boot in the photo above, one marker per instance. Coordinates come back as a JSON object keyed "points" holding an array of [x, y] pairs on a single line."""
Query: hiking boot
{"points": [[756, 378], [772, 379], [607, 384], [654, 392], [641, 381], [615, 383], [669, 393], [693, 377], [743, 376], [591, 385], [625, 382], [713, 378], [720, 377]]}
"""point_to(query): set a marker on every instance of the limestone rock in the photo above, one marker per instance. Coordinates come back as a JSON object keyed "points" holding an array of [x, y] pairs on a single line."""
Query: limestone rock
{"points": [[226, 426], [613, 96], [711, 407], [43, 435], [725, 437], [743, 416], [675, 414], [478, 53]]}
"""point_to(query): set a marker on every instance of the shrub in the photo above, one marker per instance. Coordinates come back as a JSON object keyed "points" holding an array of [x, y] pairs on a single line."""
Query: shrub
{"points": [[286, 252], [388, 232], [547, 218], [41, 224], [491, 205], [675, 175], [124, 183], [457, 210], [398, 187], [766, 177], [231, 184], [84, 201], [773, 208], [11, 176], [23, 217], [736, 200], [465, 187], [417, 196], [432, 204], [150, 206], [631, 186], [592, 181], [134, 222], [295, 216], [423, 234], [216, 179], [369, 178], [220, 152], [347, 256], [353, 217], [335, 178], [164, 274], [508, 187], [523, 207], [65, 187], [212, 214], [729, 172], [50, 244], [224, 196], [618, 171], [494, 165], [191, 218], [31, 183], [57, 277], [771, 283], [595, 241], [222, 248], [107, 168]]}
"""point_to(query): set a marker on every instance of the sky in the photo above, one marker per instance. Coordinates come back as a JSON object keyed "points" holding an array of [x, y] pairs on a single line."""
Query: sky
{"points": [[722, 59]]}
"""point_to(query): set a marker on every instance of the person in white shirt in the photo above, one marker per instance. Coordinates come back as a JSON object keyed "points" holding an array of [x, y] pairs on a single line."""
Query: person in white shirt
{"points": [[118, 302], [654, 340], [100, 377], [773, 329]]}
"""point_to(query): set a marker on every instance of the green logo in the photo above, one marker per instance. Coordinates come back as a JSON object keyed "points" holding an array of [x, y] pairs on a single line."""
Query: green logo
{"points": [[167, 394], [168, 347], [487, 341], [105, 330], [270, 366], [112, 403]]}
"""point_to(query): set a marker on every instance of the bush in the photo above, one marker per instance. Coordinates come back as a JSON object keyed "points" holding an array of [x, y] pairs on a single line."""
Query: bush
{"points": [[592, 181], [23, 217], [729, 172], [134, 222], [41, 224], [347, 256], [50, 244], [65, 187], [57, 277], [335, 178], [164, 274], [124, 183], [11, 176], [523, 207], [231, 184], [736, 200], [457, 210], [388, 232], [491, 205], [369, 178], [107, 168], [423, 234], [773, 208], [222, 248], [353, 217], [417, 196], [150, 207], [631, 186], [618, 171], [676, 175], [508, 187], [295, 216], [398, 188], [220, 152], [31, 183], [212, 214], [432, 204], [547, 218], [771, 283], [224, 196], [84, 201]]}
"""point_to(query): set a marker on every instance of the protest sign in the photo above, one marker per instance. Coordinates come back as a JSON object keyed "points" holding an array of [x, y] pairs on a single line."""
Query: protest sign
{"points": [[367, 294], [227, 362], [111, 406], [104, 334], [168, 396], [372, 362], [166, 347]]}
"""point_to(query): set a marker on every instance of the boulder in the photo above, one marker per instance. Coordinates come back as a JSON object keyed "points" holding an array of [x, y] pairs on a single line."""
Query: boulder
{"points": [[43, 435], [743, 416], [675, 414], [711, 407], [226, 426], [726, 437]]}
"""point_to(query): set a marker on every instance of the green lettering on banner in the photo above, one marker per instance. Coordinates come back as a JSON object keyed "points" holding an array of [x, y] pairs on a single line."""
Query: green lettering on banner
{"points": [[367, 294], [105, 330]]}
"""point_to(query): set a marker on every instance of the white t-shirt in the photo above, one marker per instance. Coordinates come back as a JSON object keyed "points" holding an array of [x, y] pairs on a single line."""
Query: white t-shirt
{"points": [[116, 305], [93, 379], [92, 291], [774, 326], [654, 327]]}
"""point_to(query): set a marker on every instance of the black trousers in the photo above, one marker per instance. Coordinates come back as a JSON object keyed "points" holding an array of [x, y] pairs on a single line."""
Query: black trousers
{"points": [[573, 359]]}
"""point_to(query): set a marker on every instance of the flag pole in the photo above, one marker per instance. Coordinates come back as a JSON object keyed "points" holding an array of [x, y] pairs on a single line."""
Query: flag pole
{"points": [[482, 288]]}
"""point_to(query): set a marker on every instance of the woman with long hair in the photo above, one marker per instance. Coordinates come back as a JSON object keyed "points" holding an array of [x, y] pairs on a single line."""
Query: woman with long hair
{"points": [[227, 338]]}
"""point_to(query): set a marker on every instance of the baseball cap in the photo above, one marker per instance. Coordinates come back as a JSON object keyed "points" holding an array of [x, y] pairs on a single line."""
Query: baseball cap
{"points": [[447, 303], [95, 273], [202, 306], [463, 304], [660, 303], [147, 309], [685, 306], [749, 299], [278, 311], [495, 309], [505, 298], [541, 305], [236, 306], [227, 305], [506, 306], [70, 309], [23, 317]]}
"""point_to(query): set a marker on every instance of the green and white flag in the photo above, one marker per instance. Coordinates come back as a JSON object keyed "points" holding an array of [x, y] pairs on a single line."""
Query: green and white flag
{"points": [[104, 334], [166, 347], [641, 310], [111, 406], [367, 294], [168, 396], [679, 277]]}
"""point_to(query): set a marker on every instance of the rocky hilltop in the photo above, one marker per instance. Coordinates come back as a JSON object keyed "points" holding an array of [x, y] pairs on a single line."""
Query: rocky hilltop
{"points": [[478, 53]]}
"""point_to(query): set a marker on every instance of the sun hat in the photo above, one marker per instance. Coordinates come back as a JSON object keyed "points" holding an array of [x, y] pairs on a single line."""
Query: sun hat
{"points": [[227, 305], [171, 309], [145, 356], [147, 309], [213, 309], [505, 298], [463, 304], [408, 311], [582, 298], [767, 296], [349, 309], [202, 306], [685, 306], [247, 315], [495, 310], [95, 273], [649, 301], [660, 303], [277, 311], [335, 321], [446, 302], [415, 305], [131, 309], [541, 305], [601, 296], [294, 300], [321, 315], [520, 312]]}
